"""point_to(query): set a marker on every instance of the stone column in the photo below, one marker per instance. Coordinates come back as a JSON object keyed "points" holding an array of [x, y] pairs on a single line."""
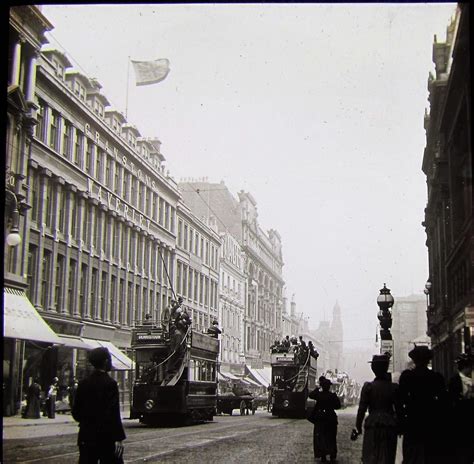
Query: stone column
{"points": [[31, 83], [16, 65]]}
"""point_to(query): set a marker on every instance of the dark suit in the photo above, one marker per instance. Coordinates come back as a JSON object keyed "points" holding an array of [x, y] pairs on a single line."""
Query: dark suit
{"points": [[96, 408], [462, 422]]}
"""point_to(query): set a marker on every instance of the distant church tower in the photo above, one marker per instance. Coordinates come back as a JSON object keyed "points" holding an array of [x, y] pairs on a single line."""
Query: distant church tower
{"points": [[336, 337]]}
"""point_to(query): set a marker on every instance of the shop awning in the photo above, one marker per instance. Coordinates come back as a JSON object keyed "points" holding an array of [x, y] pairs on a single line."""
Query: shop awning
{"points": [[259, 375], [120, 361], [21, 320], [251, 382], [74, 342], [228, 375]]}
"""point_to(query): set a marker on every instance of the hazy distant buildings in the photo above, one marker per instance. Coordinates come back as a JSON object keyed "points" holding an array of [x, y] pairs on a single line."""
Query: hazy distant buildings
{"points": [[447, 163], [336, 337], [409, 327]]}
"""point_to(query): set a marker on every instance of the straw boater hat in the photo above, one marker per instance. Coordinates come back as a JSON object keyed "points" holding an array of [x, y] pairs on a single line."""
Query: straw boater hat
{"points": [[420, 353]]}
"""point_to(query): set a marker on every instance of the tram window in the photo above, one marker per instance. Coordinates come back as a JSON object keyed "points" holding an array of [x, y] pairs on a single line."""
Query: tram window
{"points": [[148, 362]]}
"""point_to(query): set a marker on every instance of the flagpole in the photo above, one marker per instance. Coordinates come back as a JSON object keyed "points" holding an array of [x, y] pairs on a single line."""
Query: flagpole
{"points": [[126, 93]]}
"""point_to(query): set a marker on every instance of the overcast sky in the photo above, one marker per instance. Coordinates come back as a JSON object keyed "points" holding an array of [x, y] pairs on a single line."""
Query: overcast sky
{"points": [[317, 110]]}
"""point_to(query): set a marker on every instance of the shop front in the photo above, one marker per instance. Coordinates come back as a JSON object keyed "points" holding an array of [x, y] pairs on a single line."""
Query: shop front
{"points": [[27, 347]]}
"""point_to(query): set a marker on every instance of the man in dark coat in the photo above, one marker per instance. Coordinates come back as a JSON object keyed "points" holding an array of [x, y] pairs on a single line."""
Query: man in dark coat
{"points": [[461, 393], [423, 411], [96, 408]]}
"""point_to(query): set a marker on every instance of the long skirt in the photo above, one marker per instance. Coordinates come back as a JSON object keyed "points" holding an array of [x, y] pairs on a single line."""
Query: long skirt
{"points": [[33, 408], [325, 439], [379, 445]]}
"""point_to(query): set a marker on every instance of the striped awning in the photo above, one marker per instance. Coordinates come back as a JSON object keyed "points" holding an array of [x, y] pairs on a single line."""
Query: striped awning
{"points": [[22, 321]]}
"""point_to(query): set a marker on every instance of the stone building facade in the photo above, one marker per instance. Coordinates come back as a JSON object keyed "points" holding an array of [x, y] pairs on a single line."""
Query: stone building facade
{"points": [[447, 164], [262, 267], [99, 223]]}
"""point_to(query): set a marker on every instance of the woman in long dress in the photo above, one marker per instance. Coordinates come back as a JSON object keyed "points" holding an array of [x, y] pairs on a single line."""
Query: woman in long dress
{"points": [[325, 421], [33, 401], [380, 429]]}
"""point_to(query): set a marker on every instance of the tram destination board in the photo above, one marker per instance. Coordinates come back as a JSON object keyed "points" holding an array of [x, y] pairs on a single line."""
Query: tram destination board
{"points": [[147, 336]]}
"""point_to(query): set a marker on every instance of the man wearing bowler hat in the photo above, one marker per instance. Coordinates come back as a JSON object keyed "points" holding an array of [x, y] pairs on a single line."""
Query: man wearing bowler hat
{"points": [[96, 408], [423, 407]]}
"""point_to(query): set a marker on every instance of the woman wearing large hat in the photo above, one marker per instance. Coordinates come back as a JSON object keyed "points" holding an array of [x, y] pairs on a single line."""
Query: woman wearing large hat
{"points": [[380, 428], [424, 405]]}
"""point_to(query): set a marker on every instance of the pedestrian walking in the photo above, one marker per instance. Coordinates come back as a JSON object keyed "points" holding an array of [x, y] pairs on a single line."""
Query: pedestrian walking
{"points": [[51, 397], [72, 390], [96, 408], [33, 401], [380, 428], [423, 411], [461, 394], [324, 419]]}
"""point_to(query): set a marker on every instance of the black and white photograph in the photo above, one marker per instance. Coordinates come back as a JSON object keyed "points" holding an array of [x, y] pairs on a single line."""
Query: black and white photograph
{"points": [[238, 233]]}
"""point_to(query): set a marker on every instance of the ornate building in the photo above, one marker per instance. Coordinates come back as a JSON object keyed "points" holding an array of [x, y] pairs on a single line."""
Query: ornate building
{"points": [[263, 262], [27, 26], [447, 163], [99, 223], [232, 304], [197, 268]]}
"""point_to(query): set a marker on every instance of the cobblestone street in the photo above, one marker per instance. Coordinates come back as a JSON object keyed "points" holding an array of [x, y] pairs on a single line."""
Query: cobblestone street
{"points": [[230, 439]]}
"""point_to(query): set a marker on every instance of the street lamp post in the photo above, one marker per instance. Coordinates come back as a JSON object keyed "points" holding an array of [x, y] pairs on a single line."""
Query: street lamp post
{"points": [[14, 238], [385, 302]]}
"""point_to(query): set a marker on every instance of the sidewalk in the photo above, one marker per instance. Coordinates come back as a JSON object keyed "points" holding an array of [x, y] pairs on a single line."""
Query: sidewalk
{"points": [[66, 418]]}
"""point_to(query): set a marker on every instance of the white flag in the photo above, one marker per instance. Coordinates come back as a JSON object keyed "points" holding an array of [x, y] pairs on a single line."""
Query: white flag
{"points": [[151, 72]]}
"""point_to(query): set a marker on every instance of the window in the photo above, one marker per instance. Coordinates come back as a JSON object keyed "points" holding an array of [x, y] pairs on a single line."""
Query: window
{"points": [[45, 278], [78, 148], [191, 241], [180, 233], [161, 212], [196, 283], [132, 190], [167, 216], [123, 241], [83, 291], [201, 288], [103, 296], [148, 193], [140, 196], [79, 90], [62, 208], [71, 289], [117, 179], [154, 206], [41, 120], [54, 130], [108, 162], [196, 244], [185, 237], [111, 305], [98, 164], [121, 302], [34, 190], [67, 139], [190, 284], [88, 160], [59, 282], [32, 270], [125, 183], [93, 292], [49, 202]]}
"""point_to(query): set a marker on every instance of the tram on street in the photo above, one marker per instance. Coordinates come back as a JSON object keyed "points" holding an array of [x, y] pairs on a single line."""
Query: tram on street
{"points": [[175, 377], [294, 375]]}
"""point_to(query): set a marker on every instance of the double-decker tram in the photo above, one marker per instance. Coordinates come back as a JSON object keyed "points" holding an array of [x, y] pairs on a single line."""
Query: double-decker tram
{"points": [[175, 374], [294, 374]]}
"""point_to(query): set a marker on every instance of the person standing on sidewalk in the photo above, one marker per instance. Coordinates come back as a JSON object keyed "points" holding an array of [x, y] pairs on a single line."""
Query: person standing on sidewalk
{"points": [[97, 409], [51, 396], [423, 411], [380, 428], [33, 401], [461, 393]]}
